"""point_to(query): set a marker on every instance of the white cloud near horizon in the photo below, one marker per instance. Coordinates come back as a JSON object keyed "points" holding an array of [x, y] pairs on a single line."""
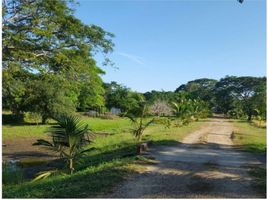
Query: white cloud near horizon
{"points": [[132, 57]]}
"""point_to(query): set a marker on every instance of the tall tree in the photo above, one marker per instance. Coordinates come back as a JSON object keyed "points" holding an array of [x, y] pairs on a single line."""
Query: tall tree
{"points": [[200, 88], [247, 92], [44, 37], [121, 97]]}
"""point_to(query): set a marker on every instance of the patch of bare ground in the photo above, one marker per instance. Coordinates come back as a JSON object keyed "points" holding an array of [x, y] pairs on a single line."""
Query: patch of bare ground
{"points": [[33, 159], [22, 149]]}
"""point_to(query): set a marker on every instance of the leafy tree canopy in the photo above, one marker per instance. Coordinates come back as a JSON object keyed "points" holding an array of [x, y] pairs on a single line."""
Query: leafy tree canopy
{"points": [[246, 92], [119, 96], [199, 88], [45, 38]]}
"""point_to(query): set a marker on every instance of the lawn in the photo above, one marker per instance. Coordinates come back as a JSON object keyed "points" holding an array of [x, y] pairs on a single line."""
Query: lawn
{"points": [[32, 130], [252, 138], [113, 158]]}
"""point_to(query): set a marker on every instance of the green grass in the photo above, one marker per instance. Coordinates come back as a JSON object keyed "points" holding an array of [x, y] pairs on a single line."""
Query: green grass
{"points": [[85, 183], [23, 131], [260, 176], [259, 124], [31, 130], [102, 168], [251, 138], [108, 125]]}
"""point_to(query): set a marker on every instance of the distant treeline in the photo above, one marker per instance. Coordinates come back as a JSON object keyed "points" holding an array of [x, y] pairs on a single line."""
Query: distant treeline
{"points": [[234, 96]]}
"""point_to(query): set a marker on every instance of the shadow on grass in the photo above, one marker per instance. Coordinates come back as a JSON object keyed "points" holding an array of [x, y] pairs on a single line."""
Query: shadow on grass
{"points": [[100, 172], [11, 120], [260, 175], [250, 147], [87, 183], [96, 173]]}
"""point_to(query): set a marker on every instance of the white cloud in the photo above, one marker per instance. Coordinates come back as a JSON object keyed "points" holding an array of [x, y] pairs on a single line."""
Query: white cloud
{"points": [[131, 57]]}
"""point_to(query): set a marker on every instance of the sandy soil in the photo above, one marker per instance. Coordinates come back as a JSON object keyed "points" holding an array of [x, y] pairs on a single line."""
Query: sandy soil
{"points": [[205, 165]]}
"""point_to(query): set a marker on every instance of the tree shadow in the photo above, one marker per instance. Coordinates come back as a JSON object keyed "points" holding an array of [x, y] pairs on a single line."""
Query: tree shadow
{"points": [[26, 154], [11, 120], [96, 179], [194, 171]]}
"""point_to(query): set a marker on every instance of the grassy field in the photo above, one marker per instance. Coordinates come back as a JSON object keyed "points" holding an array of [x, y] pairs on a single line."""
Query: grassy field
{"points": [[101, 169], [32, 130], [114, 156], [252, 138]]}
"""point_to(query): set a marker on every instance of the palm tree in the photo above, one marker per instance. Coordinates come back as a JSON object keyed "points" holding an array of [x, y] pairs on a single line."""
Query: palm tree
{"points": [[139, 121], [187, 110], [68, 136], [182, 110]]}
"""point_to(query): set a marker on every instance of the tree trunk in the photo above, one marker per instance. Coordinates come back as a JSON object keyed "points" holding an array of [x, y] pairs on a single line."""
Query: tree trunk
{"points": [[139, 149], [44, 119], [18, 115], [71, 166]]}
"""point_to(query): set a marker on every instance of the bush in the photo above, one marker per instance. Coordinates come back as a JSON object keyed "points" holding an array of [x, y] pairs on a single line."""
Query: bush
{"points": [[33, 117]]}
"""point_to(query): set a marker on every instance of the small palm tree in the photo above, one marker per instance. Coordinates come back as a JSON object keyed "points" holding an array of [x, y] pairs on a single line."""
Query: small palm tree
{"points": [[182, 110], [140, 123], [68, 136]]}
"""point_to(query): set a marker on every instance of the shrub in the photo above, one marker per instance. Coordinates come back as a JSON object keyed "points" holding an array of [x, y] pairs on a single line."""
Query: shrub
{"points": [[139, 120], [68, 136], [33, 117]]}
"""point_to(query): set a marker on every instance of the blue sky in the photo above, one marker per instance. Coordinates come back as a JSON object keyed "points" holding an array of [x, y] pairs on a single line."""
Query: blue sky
{"points": [[162, 44]]}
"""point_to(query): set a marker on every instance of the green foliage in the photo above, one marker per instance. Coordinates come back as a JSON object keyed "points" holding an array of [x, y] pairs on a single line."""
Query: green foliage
{"points": [[253, 139], [235, 113], [166, 121], [12, 174], [86, 183], [245, 93], [121, 97], [46, 98], [200, 89], [91, 96], [47, 57], [139, 120], [33, 117], [234, 96], [46, 174], [68, 138], [154, 96], [187, 110], [103, 168]]}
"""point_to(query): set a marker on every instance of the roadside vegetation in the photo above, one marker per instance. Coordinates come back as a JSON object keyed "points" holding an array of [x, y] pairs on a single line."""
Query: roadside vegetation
{"points": [[251, 138], [113, 158]]}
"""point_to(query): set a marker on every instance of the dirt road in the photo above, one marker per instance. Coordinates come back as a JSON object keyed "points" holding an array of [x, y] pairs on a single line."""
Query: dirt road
{"points": [[205, 165]]}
